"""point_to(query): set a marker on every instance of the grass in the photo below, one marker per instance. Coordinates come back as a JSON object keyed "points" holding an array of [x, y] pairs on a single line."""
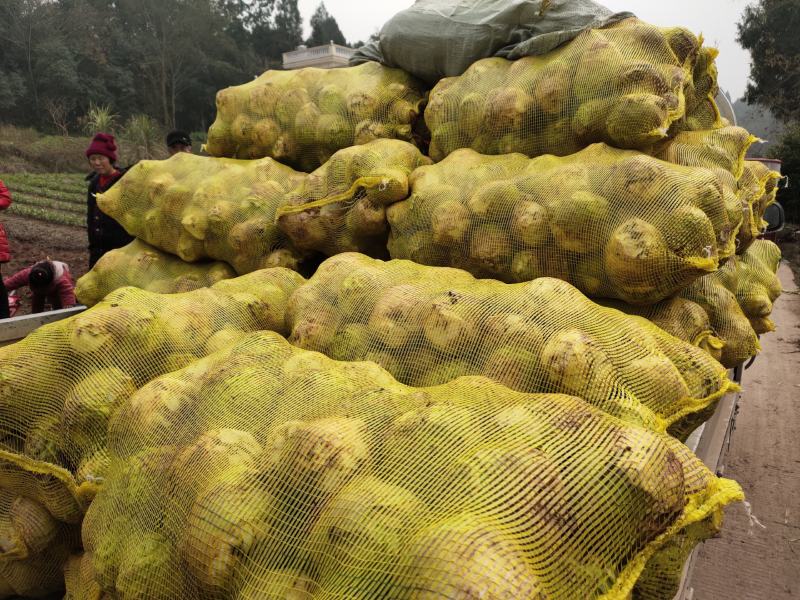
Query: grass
{"points": [[52, 197]]}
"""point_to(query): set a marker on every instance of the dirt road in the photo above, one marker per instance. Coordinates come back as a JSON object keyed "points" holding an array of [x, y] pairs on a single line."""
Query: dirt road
{"points": [[752, 561]]}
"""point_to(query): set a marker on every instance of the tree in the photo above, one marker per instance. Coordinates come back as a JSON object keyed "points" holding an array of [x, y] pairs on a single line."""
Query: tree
{"points": [[788, 151], [282, 32], [324, 28], [768, 29]]}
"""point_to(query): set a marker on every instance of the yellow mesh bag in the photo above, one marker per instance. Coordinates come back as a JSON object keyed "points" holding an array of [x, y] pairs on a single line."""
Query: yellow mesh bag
{"points": [[59, 386], [430, 325], [341, 207], [758, 286], [701, 105], [614, 223], [140, 265], [282, 473], [722, 151], [758, 187], [32, 546], [623, 85], [679, 317], [207, 208], [302, 117], [79, 579], [717, 295]]}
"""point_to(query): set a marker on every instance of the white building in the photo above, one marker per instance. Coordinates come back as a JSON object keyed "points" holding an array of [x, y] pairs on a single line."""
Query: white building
{"points": [[328, 56]]}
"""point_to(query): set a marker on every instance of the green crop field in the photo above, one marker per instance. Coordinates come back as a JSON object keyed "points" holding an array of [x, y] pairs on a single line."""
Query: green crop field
{"points": [[53, 197]]}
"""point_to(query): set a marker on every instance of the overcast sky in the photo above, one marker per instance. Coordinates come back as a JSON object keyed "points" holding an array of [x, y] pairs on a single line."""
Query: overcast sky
{"points": [[715, 19]]}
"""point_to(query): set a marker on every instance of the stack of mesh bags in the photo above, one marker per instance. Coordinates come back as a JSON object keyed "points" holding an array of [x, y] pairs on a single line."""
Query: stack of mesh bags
{"points": [[429, 325], [628, 85], [268, 471], [201, 208], [303, 117], [757, 283], [60, 387], [143, 266]]}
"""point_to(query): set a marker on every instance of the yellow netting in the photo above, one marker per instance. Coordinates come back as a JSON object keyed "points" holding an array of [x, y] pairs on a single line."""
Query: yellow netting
{"points": [[280, 473], [59, 386], [682, 318], [614, 223], [623, 85], [303, 117], [430, 325], [207, 208], [716, 293], [79, 578], [140, 265], [723, 152], [758, 285], [701, 92], [758, 187], [341, 207], [33, 545]]}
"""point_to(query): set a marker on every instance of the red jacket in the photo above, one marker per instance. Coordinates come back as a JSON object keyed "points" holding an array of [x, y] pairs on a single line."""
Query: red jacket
{"points": [[5, 202], [60, 293]]}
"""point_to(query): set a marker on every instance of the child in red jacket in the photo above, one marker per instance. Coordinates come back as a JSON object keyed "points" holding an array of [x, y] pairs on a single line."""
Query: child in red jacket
{"points": [[5, 255], [49, 280]]}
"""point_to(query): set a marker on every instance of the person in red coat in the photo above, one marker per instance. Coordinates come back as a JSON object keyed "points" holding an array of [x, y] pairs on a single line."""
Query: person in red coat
{"points": [[5, 254], [104, 232], [49, 280]]}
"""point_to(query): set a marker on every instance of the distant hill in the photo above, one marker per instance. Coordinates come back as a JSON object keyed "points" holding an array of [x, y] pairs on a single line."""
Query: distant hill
{"points": [[760, 122]]}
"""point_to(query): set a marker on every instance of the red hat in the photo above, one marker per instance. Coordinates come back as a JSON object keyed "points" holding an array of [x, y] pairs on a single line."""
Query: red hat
{"points": [[103, 143]]}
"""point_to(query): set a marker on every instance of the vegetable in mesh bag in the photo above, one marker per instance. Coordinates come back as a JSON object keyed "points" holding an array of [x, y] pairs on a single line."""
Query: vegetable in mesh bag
{"points": [[201, 208], [758, 187], [302, 117], [701, 91], [679, 317], [61, 385], [614, 223], [716, 293], [723, 152], [341, 207], [430, 325], [622, 85], [382, 490], [143, 266], [758, 286]]}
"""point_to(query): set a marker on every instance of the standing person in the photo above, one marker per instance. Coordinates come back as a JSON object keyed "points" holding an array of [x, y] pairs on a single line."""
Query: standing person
{"points": [[5, 253], [49, 280], [104, 232], [178, 141]]}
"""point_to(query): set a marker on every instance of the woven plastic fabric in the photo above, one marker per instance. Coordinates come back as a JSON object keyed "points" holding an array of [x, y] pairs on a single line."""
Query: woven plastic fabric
{"points": [[430, 325], [614, 223], [281, 473], [40, 575], [341, 207], [143, 266], [758, 187], [207, 208], [758, 286], [303, 117], [61, 384], [679, 317], [623, 85], [434, 39], [716, 293]]}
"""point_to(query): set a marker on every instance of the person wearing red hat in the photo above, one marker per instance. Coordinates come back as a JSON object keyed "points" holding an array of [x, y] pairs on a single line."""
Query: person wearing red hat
{"points": [[104, 232], [5, 253]]}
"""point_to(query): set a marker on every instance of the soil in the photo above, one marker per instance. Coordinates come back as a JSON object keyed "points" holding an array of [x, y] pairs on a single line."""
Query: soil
{"points": [[757, 555], [32, 240]]}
